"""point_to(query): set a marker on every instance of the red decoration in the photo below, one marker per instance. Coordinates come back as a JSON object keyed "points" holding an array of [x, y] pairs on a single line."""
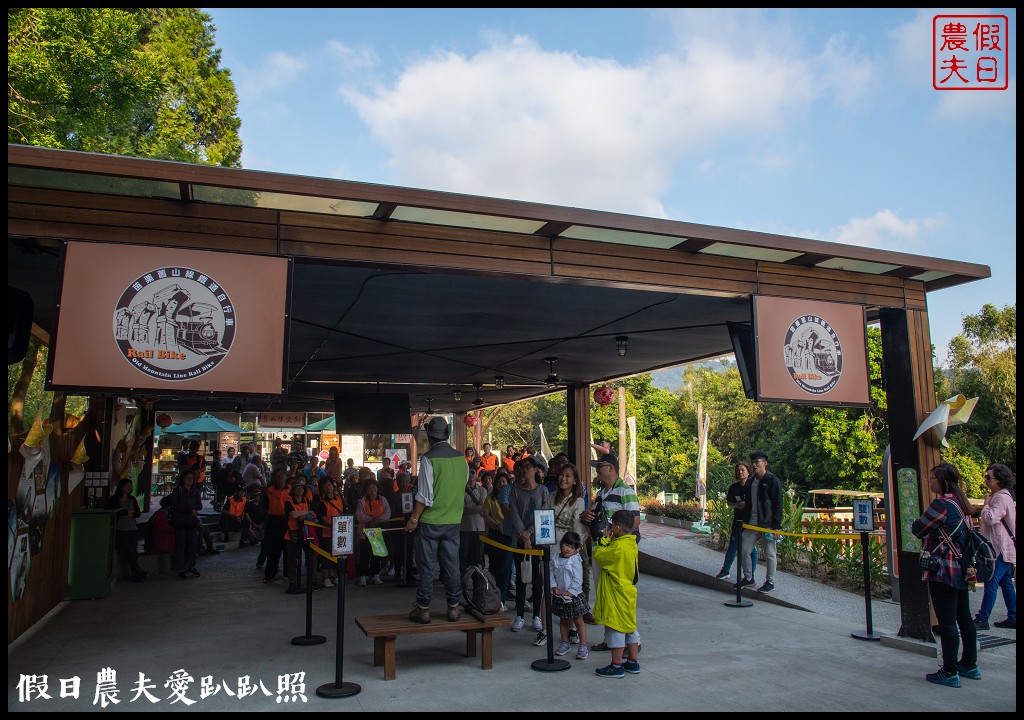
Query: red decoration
{"points": [[472, 420], [163, 420], [604, 395]]}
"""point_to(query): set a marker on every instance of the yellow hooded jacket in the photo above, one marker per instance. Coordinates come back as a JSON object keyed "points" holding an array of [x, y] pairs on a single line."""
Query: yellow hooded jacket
{"points": [[616, 590]]}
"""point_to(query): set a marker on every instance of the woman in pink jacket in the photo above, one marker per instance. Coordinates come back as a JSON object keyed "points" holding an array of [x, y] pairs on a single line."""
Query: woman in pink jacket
{"points": [[999, 524]]}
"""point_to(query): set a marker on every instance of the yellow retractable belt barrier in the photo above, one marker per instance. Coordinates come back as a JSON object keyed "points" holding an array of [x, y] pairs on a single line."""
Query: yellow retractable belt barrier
{"points": [[836, 536], [495, 543]]}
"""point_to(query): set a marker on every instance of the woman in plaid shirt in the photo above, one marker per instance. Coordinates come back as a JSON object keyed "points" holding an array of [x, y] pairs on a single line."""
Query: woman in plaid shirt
{"points": [[947, 586]]}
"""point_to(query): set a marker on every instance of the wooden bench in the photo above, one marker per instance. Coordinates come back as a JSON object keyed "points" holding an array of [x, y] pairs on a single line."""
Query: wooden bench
{"points": [[385, 629]]}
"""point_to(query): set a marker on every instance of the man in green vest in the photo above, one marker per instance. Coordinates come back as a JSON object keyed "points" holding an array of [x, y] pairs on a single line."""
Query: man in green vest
{"points": [[437, 516]]}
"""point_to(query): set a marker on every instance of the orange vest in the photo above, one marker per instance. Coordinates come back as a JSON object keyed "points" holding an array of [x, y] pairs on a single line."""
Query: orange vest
{"points": [[235, 507], [276, 499], [489, 462], [373, 508], [510, 464], [295, 524], [332, 508]]}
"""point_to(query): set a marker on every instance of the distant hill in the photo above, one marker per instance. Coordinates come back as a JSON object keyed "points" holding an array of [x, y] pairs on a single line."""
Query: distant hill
{"points": [[671, 379]]}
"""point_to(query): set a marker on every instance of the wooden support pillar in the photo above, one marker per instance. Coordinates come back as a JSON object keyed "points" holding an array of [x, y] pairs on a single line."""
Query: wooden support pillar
{"points": [[910, 395], [458, 439], [577, 420]]}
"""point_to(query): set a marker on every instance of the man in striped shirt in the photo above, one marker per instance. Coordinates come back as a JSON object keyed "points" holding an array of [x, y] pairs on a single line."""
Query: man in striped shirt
{"points": [[613, 493]]}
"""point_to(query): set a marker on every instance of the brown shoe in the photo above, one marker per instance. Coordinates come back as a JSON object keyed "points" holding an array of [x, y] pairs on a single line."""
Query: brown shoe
{"points": [[420, 615], [454, 612]]}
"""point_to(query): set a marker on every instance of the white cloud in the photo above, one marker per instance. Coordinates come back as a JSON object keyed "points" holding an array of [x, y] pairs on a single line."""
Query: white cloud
{"points": [[887, 230], [521, 122], [276, 71]]}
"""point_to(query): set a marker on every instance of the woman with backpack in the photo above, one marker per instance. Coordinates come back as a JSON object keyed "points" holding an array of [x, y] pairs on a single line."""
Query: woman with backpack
{"points": [[999, 525], [943, 527]]}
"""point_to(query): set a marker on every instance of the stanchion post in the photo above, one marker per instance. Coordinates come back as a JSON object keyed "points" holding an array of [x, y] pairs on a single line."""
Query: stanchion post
{"points": [[309, 638], [870, 634], [739, 601], [550, 664], [339, 688]]}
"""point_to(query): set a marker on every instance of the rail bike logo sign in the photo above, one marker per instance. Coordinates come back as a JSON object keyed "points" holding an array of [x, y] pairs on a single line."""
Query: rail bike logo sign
{"points": [[174, 323], [170, 321], [811, 352]]}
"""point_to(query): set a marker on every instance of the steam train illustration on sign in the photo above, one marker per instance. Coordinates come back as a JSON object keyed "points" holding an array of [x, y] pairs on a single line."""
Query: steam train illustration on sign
{"points": [[811, 352], [168, 321]]}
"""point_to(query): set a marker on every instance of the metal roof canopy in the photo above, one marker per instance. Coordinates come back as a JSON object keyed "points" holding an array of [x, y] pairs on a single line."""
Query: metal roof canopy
{"points": [[428, 292]]}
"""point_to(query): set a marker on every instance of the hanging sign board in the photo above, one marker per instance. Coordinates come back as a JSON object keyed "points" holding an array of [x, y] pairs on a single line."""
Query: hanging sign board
{"points": [[134, 318], [811, 352]]}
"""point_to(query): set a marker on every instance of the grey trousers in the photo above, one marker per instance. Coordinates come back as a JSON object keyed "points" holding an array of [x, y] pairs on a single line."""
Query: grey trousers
{"points": [[749, 541]]}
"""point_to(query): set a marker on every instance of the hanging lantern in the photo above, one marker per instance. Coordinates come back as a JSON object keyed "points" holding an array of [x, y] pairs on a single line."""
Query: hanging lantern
{"points": [[163, 420], [604, 395], [472, 420]]}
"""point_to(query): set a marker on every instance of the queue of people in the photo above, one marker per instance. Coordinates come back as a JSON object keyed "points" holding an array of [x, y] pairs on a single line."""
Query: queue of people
{"points": [[458, 498]]}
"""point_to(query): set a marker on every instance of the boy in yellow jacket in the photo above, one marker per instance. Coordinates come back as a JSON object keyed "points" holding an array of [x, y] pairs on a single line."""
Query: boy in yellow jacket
{"points": [[618, 556]]}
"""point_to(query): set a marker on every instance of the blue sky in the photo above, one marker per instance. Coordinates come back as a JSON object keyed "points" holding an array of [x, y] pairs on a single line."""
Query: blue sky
{"points": [[820, 124]]}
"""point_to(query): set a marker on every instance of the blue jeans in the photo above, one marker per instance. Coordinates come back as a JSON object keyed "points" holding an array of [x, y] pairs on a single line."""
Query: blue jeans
{"points": [[433, 543], [734, 546], [1000, 580]]}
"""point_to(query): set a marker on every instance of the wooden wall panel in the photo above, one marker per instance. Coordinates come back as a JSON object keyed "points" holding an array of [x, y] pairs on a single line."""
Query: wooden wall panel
{"points": [[47, 581], [85, 216]]}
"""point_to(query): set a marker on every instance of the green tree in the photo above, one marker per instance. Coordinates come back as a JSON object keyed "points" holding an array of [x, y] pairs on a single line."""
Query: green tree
{"points": [[143, 82], [139, 82], [983, 364]]}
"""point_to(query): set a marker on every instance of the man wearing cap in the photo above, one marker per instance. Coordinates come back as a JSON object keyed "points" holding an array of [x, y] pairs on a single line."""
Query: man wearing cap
{"points": [[437, 515], [612, 493]]}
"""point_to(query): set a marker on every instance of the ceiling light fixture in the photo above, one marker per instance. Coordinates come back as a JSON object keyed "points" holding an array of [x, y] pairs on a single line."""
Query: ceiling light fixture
{"points": [[621, 342], [552, 378], [457, 394], [479, 401], [499, 382]]}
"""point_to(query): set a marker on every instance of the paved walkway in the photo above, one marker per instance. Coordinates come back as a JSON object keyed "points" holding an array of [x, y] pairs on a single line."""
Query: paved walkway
{"points": [[698, 654]]}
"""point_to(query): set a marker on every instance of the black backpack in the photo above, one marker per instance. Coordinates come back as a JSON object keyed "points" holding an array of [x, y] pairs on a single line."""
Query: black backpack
{"points": [[480, 591], [978, 551]]}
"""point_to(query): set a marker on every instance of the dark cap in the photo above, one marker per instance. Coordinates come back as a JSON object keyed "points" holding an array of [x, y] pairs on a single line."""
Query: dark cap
{"points": [[437, 428], [606, 458]]}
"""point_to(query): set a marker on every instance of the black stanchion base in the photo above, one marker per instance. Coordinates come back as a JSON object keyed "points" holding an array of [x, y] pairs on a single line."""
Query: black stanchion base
{"points": [[553, 666], [866, 636], [311, 640], [333, 690], [738, 603]]}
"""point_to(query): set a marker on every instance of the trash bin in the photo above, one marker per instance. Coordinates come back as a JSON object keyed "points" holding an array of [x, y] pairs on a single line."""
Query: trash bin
{"points": [[91, 559]]}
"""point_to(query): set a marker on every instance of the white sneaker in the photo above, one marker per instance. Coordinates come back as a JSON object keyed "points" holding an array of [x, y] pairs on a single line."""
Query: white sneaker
{"points": [[377, 580], [518, 624], [537, 624], [327, 582], [362, 580]]}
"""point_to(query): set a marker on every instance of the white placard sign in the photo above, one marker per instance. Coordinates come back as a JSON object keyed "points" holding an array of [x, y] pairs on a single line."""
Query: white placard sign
{"points": [[544, 527], [407, 503], [342, 535], [863, 516]]}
